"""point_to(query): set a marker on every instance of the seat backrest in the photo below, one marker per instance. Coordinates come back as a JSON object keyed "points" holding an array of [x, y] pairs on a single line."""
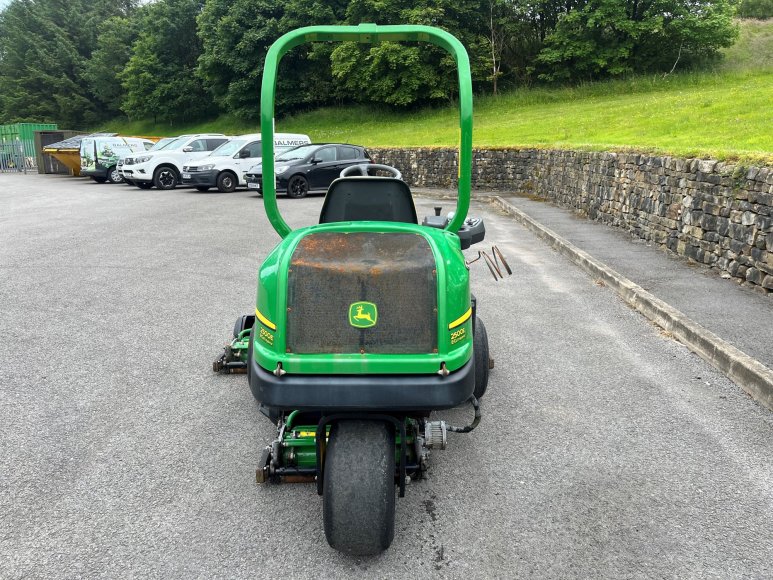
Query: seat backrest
{"points": [[383, 199]]}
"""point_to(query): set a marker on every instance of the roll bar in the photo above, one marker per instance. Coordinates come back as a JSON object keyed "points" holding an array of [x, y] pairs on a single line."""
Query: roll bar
{"points": [[366, 34]]}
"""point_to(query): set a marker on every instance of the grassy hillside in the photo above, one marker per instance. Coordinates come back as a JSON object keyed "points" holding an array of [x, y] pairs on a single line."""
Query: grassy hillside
{"points": [[725, 113]]}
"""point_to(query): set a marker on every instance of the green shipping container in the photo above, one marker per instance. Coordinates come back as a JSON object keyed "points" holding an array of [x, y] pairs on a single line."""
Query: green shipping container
{"points": [[25, 132]]}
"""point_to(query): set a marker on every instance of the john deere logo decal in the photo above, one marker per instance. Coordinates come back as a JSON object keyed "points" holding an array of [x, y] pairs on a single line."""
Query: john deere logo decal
{"points": [[363, 314]]}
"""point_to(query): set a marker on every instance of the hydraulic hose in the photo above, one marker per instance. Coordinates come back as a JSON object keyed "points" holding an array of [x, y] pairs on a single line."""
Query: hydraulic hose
{"points": [[475, 421]]}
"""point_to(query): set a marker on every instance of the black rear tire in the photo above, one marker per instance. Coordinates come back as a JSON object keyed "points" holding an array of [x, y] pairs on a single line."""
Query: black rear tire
{"points": [[297, 187], [482, 360], [226, 182], [359, 487]]}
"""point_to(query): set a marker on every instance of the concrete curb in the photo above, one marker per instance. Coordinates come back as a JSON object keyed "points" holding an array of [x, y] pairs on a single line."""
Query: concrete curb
{"points": [[750, 374]]}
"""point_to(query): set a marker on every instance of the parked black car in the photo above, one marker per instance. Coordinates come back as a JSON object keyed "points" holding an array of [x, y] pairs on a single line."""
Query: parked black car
{"points": [[309, 168]]}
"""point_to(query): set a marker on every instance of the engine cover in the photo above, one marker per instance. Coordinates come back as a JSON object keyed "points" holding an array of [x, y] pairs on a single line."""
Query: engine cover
{"points": [[362, 292]]}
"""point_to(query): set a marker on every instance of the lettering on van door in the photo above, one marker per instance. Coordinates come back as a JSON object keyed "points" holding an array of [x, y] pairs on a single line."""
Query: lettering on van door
{"points": [[289, 142]]}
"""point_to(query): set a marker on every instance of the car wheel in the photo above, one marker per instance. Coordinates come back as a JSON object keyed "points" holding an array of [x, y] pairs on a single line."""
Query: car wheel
{"points": [[143, 184], [114, 176], [165, 178], [297, 187], [226, 182], [202, 188]]}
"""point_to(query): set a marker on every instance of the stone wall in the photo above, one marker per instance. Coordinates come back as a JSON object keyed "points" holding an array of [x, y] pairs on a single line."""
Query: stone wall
{"points": [[719, 214]]}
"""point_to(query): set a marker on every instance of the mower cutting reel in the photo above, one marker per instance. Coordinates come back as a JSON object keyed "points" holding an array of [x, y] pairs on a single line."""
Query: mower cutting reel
{"points": [[364, 324], [236, 353]]}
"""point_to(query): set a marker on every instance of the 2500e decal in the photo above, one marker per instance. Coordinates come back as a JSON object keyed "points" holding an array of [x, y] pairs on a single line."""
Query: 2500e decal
{"points": [[458, 335]]}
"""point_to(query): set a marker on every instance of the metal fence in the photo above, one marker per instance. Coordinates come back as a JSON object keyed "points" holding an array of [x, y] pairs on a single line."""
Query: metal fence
{"points": [[14, 158]]}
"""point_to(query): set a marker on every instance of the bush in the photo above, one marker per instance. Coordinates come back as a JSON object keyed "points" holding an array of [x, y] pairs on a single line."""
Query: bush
{"points": [[606, 38], [761, 9]]}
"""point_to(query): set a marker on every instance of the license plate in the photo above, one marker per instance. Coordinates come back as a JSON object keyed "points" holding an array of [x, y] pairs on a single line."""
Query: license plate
{"points": [[186, 175], [253, 186]]}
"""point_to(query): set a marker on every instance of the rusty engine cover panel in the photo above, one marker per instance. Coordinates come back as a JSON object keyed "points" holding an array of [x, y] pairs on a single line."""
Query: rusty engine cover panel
{"points": [[330, 271]]}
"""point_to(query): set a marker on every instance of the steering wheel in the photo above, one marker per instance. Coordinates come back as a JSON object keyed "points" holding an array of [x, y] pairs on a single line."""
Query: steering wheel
{"points": [[363, 168]]}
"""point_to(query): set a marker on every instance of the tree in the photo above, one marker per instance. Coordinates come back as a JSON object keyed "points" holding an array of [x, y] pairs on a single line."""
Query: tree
{"points": [[408, 75], [102, 70], [159, 78], [761, 9], [236, 37], [615, 37], [44, 45], [496, 40], [512, 38]]}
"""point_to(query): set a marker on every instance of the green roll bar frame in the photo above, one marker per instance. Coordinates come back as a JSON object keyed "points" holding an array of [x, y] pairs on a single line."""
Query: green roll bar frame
{"points": [[366, 34]]}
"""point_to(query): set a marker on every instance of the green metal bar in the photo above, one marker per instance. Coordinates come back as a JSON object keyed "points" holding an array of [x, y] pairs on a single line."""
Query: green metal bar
{"points": [[367, 34]]}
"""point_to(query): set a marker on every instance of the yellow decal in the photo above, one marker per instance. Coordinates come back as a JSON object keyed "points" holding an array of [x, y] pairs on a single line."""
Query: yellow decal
{"points": [[363, 314], [458, 335], [266, 337], [265, 320], [461, 320]]}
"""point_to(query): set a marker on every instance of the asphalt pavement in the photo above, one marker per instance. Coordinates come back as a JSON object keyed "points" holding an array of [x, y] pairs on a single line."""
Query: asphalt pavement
{"points": [[606, 450]]}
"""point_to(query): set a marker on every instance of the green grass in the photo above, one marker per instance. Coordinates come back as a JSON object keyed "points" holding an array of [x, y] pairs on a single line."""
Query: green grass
{"points": [[726, 113]]}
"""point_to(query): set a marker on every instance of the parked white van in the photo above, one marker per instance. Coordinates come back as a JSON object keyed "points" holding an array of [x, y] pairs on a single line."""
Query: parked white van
{"points": [[163, 168], [100, 155], [226, 167]]}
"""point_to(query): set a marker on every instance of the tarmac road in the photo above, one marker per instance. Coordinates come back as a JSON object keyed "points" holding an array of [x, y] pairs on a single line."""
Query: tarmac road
{"points": [[606, 450]]}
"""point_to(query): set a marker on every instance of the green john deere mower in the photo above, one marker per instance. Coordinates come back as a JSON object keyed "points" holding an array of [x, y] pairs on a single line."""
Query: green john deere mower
{"points": [[364, 324]]}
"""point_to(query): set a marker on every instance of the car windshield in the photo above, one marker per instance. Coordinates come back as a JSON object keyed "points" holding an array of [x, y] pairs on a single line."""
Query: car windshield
{"points": [[229, 148], [297, 153], [162, 143], [282, 150], [177, 143]]}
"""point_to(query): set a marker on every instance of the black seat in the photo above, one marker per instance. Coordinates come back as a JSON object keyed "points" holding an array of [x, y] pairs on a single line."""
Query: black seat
{"points": [[383, 199]]}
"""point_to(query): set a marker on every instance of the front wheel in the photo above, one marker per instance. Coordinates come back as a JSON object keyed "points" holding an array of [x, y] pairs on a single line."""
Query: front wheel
{"points": [[226, 182], [297, 187], [359, 487], [165, 178]]}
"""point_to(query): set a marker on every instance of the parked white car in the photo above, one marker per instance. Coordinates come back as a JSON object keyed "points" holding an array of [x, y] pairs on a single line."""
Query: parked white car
{"points": [[129, 159], [163, 168], [226, 167]]}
